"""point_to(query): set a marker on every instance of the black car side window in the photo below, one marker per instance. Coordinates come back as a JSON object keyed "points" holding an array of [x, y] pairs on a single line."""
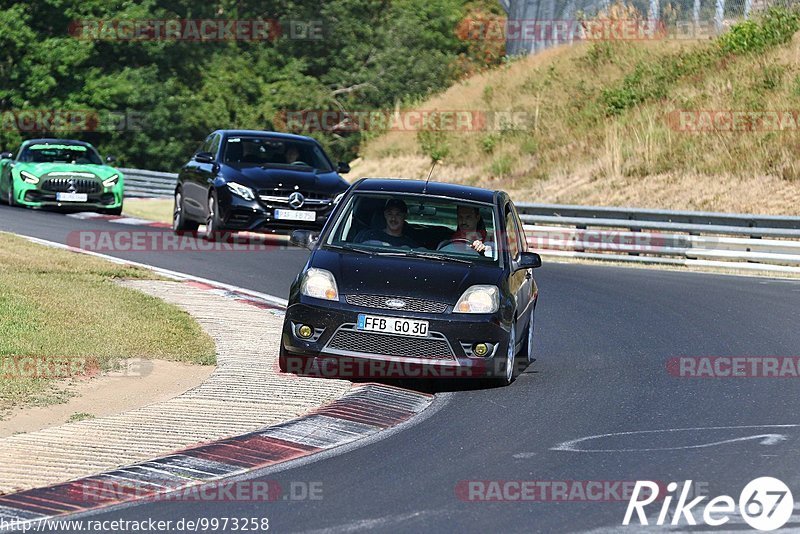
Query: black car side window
{"points": [[512, 233], [521, 227], [214, 148], [206, 146]]}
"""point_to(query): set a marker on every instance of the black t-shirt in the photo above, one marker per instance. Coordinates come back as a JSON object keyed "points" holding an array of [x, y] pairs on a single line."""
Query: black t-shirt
{"points": [[380, 235]]}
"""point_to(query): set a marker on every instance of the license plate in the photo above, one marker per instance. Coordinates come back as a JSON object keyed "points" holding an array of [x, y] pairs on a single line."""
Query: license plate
{"points": [[295, 215], [72, 197], [392, 325]]}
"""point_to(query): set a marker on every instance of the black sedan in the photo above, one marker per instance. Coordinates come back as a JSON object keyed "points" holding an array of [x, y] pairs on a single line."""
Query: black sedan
{"points": [[412, 279], [254, 180]]}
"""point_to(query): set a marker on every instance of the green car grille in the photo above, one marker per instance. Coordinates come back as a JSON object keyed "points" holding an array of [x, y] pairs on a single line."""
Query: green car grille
{"points": [[71, 185]]}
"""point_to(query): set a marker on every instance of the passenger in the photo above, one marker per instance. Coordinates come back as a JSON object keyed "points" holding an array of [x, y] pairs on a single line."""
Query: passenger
{"points": [[394, 212], [471, 227]]}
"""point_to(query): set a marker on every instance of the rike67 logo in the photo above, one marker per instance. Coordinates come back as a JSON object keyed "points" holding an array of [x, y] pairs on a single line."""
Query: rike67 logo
{"points": [[765, 504]]}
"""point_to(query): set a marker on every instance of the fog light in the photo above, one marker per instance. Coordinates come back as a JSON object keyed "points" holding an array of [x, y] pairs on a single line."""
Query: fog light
{"points": [[480, 349], [305, 331]]}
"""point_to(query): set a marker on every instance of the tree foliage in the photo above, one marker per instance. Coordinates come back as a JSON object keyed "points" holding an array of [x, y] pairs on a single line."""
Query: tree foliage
{"points": [[166, 95]]}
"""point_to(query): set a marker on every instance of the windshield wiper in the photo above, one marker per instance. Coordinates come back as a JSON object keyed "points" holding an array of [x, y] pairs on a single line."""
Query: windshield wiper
{"points": [[349, 249], [442, 257]]}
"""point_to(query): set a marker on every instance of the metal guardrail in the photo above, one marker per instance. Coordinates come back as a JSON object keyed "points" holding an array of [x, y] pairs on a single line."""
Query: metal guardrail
{"points": [[722, 240], [149, 184]]}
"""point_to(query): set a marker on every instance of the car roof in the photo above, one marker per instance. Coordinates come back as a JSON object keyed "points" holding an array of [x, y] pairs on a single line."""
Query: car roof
{"points": [[279, 135], [54, 141], [401, 185]]}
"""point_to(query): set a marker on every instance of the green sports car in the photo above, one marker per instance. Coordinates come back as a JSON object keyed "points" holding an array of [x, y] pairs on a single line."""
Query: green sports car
{"points": [[60, 173]]}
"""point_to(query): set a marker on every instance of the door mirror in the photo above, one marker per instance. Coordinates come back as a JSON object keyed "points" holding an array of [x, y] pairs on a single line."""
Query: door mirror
{"points": [[6, 155], [204, 157], [110, 159], [343, 168], [304, 238], [528, 260]]}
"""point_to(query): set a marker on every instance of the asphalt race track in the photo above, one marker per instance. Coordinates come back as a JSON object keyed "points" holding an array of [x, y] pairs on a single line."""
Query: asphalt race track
{"points": [[604, 336]]}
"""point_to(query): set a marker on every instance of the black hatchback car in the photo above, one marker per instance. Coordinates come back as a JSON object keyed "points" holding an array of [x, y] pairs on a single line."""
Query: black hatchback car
{"points": [[409, 278], [255, 180]]}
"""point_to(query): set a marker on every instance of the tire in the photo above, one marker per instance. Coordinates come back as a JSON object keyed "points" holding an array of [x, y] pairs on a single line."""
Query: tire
{"points": [[298, 362], [10, 198], [527, 346], [510, 370], [179, 221], [113, 211], [213, 221]]}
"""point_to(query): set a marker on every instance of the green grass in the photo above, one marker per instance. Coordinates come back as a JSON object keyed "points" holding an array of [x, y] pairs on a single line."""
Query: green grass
{"points": [[62, 308]]}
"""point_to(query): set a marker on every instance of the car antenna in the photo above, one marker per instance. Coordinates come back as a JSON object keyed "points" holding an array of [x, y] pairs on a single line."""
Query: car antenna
{"points": [[425, 189]]}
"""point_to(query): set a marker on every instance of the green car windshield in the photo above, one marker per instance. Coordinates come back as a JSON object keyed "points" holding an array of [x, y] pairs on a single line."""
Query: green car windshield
{"points": [[431, 227], [46, 153]]}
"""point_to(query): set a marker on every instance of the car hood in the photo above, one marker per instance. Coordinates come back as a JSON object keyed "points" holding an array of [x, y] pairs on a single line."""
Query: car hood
{"points": [[440, 281], [260, 178], [40, 169]]}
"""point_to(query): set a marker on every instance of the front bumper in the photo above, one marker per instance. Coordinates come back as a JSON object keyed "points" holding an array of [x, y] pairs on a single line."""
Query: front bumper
{"points": [[254, 215], [31, 196], [338, 349]]}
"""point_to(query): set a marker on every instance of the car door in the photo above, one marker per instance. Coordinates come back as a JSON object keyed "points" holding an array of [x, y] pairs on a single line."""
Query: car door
{"points": [[519, 281], [5, 174], [192, 182]]}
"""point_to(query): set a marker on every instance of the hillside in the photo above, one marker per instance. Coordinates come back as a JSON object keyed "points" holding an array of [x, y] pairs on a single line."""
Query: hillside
{"points": [[628, 123]]}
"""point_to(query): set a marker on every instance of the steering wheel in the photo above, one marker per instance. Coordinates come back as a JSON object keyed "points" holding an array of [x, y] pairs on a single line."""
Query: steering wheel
{"points": [[446, 243]]}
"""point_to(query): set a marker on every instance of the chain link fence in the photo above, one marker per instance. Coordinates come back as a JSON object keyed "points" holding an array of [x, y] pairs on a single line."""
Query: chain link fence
{"points": [[534, 25]]}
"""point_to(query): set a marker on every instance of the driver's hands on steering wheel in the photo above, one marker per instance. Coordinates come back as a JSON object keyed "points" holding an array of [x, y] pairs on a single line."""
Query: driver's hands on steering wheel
{"points": [[478, 245]]}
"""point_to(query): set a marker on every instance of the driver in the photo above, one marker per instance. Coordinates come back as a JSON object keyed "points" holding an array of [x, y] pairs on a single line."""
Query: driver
{"points": [[291, 154], [394, 212], [470, 227]]}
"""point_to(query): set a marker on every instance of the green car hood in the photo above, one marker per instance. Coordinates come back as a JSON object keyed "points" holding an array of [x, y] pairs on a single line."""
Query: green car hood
{"points": [[40, 169]]}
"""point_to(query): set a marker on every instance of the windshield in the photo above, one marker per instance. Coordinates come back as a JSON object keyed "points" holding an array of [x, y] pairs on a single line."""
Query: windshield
{"points": [[272, 152], [417, 224], [77, 154]]}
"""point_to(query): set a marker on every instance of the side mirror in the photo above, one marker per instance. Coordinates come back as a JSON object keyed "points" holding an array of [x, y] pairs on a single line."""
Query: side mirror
{"points": [[110, 159], [528, 260], [204, 157], [304, 238], [343, 168], [6, 155]]}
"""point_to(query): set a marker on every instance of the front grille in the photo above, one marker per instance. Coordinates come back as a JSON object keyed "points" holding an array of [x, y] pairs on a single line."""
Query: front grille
{"points": [[284, 193], [348, 340], [412, 304], [74, 185]]}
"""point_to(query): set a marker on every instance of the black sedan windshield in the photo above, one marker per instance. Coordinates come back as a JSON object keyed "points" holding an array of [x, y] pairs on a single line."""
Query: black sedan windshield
{"points": [[273, 152], [416, 225], [45, 153]]}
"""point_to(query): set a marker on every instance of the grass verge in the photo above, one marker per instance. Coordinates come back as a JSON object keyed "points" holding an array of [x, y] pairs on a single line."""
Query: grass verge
{"points": [[63, 316], [628, 123], [151, 209]]}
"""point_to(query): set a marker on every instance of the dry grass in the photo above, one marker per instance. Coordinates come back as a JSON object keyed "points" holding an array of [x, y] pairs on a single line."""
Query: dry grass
{"points": [[576, 150], [151, 209]]}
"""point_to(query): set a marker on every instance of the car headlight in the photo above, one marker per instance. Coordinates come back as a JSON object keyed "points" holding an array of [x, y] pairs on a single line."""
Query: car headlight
{"points": [[241, 190], [479, 299], [28, 178], [111, 182], [320, 284]]}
